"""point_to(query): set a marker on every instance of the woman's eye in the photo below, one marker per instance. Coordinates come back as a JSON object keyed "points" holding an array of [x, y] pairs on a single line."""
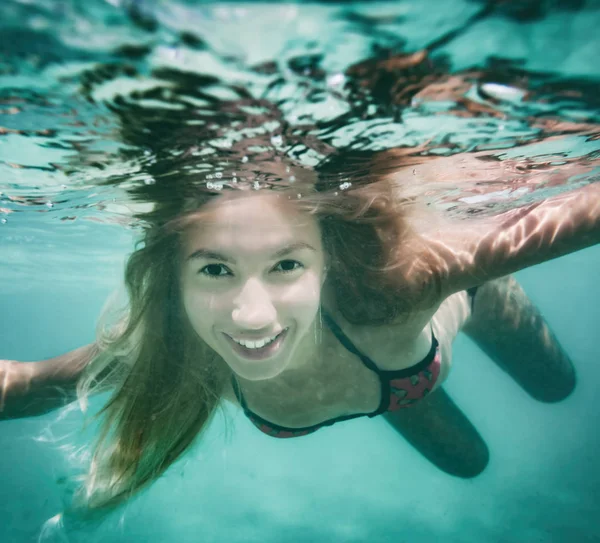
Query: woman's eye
{"points": [[214, 270], [289, 265]]}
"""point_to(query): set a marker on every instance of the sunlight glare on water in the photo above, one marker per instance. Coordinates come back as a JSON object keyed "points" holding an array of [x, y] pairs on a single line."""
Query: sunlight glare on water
{"points": [[95, 100]]}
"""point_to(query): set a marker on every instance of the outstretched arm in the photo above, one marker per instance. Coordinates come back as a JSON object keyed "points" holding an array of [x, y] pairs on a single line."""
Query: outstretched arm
{"points": [[34, 388], [526, 236], [451, 256]]}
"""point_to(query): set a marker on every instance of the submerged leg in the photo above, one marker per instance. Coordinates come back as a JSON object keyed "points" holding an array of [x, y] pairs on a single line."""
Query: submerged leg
{"points": [[435, 426], [440, 431], [511, 331]]}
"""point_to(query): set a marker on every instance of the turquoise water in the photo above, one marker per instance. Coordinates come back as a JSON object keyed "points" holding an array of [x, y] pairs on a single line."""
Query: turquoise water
{"points": [[67, 227]]}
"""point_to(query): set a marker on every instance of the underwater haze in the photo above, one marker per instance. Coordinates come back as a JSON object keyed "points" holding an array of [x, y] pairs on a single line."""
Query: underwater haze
{"points": [[99, 102]]}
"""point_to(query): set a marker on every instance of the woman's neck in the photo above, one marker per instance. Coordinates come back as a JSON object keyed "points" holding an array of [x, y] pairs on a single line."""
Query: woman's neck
{"points": [[308, 360]]}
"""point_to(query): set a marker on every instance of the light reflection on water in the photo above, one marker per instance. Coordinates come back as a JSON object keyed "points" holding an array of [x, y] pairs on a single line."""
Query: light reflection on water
{"points": [[94, 99]]}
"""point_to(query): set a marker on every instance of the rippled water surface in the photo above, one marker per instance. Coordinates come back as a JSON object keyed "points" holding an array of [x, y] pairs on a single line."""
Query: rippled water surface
{"points": [[102, 98]]}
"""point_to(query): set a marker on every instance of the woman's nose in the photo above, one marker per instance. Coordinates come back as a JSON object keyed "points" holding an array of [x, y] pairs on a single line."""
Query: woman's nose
{"points": [[253, 309]]}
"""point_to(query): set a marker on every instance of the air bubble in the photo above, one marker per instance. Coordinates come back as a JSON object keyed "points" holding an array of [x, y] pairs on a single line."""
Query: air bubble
{"points": [[335, 80], [502, 92], [244, 159], [276, 140], [345, 185], [218, 175]]}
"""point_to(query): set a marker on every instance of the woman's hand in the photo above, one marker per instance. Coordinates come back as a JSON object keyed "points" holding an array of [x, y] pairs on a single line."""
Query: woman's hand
{"points": [[16, 385], [28, 389]]}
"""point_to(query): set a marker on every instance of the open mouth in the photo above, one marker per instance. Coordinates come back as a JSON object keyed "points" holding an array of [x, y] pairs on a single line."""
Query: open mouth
{"points": [[252, 351]]}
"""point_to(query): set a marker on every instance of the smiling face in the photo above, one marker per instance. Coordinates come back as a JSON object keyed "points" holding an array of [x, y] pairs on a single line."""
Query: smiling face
{"points": [[251, 282]]}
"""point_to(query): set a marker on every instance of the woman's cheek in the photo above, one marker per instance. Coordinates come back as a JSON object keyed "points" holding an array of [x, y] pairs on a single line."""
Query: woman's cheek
{"points": [[197, 305], [208, 304], [312, 289], [306, 296]]}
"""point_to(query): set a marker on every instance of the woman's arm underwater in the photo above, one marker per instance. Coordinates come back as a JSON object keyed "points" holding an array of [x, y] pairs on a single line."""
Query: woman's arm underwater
{"points": [[487, 249], [33, 388], [454, 255]]}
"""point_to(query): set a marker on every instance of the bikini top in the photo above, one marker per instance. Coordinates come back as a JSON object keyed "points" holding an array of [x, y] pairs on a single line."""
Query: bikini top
{"points": [[399, 388]]}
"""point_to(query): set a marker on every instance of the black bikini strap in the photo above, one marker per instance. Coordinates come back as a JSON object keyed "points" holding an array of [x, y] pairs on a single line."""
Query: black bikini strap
{"points": [[345, 341], [471, 292]]}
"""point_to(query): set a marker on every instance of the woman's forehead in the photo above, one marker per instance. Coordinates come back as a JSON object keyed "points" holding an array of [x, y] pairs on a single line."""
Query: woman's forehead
{"points": [[252, 218]]}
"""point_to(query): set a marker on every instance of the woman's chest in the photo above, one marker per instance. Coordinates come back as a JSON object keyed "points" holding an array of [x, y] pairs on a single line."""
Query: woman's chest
{"points": [[338, 387], [339, 382]]}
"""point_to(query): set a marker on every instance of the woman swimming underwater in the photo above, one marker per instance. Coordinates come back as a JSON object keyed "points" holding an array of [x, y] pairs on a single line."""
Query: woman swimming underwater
{"points": [[307, 301], [307, 311]]}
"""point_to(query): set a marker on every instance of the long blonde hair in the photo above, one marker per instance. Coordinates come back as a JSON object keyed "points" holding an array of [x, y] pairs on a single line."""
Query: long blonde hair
{"points": [[167, 382]]}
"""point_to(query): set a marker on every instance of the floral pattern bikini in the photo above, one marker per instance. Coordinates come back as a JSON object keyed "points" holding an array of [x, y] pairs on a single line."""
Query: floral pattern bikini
{"points": [[399, 388]]}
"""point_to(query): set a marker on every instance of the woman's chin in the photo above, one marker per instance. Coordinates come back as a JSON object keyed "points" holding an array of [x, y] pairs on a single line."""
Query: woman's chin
{"points": [[263, 366], [252, 373]]}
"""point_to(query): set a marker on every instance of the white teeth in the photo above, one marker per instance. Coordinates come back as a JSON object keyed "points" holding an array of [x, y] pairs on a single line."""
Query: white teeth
{"points": [[256, 344]]}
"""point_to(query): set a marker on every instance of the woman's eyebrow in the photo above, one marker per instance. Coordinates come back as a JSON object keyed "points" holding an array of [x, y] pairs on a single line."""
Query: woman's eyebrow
{"points": [[207, 253], [293, 247], [214, 255]]}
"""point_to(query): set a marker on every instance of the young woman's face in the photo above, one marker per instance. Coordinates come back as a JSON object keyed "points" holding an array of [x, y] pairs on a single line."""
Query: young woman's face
{"points": [[251, 282]]}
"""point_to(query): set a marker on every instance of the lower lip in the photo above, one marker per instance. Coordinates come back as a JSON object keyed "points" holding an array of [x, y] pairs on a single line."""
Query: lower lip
{"points": [[259, 354]]}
